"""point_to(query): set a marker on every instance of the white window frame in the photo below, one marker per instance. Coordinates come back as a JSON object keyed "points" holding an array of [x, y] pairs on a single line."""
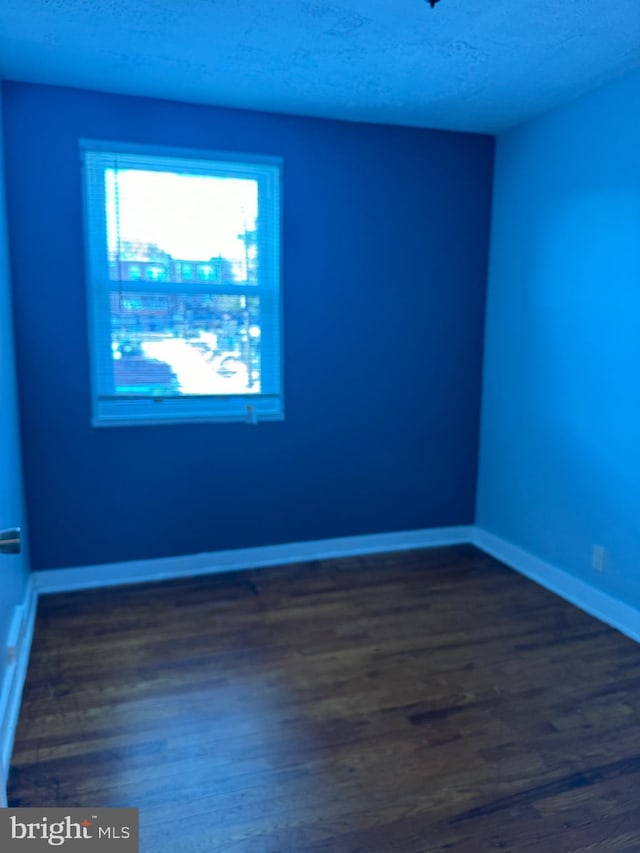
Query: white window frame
{"points": [[109, 409]]}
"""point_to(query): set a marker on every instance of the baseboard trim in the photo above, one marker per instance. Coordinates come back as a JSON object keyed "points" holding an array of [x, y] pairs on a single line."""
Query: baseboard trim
{"points": [[588, 598], [168, 568], [13, 682], [603, 606], [592, 600]]}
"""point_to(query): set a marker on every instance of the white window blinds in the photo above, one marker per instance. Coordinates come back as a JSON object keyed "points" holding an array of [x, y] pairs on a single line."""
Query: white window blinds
{"points": [[184, 285]]}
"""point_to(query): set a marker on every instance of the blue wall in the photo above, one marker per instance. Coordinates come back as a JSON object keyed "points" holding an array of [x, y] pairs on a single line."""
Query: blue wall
{"points": [[385, 250], [560, 439]]}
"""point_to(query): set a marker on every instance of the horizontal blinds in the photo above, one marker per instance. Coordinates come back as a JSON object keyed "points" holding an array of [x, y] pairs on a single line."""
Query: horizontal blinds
{"points": [[184, 278]]}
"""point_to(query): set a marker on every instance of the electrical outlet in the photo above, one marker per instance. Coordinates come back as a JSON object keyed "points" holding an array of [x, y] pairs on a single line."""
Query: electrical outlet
{"points": [[599, 558]]}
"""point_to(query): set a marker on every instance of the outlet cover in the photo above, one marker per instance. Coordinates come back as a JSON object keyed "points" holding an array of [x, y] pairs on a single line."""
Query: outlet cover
{"points": [[599, 558]]}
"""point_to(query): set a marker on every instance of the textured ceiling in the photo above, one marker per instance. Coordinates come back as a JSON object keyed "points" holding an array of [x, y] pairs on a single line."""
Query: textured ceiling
{"points": [[464, 65]]}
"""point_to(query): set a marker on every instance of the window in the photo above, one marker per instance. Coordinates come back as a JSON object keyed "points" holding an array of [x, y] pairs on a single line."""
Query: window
{"points": [[184, 285]]}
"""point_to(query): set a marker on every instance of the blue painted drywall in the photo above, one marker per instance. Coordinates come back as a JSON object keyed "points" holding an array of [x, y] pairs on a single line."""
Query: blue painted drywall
{"points": [[13, 569], [385, 250], [560, 439]]}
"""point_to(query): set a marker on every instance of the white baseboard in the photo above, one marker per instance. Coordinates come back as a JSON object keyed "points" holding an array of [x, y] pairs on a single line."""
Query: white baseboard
{"points": [[167, 568], [608, 609], [592, 600], [21, 635]]}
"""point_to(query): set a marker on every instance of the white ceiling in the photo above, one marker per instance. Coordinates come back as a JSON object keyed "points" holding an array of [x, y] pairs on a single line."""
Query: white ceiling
{"points": [[474, 65]]}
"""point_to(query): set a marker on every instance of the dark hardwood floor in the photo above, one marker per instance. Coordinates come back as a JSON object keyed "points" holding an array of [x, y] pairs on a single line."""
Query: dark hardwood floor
{"points": [[426, 701]]}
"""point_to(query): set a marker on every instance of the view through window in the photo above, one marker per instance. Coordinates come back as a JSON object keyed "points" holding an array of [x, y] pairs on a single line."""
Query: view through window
{"points": [[184, 287]]}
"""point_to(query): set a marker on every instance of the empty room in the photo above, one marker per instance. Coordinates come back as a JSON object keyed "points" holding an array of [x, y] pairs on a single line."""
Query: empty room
{"points": [[319, 423]]}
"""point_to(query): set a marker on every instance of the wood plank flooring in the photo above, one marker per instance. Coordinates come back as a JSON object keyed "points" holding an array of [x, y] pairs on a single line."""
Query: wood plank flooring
{"points": [[426, 701]]}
